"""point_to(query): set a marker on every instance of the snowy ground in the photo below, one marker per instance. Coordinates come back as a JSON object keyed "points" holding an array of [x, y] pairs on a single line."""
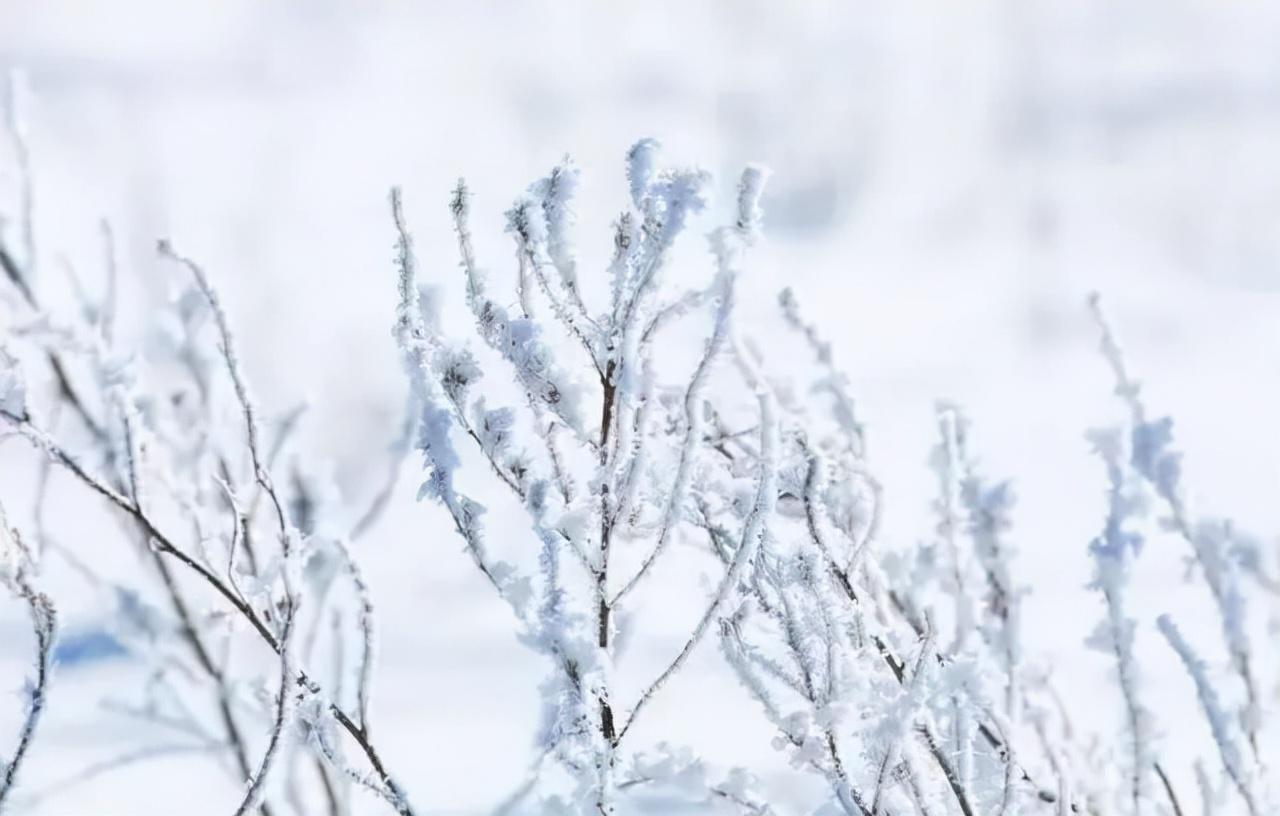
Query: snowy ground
{"points": [[949, 184]]}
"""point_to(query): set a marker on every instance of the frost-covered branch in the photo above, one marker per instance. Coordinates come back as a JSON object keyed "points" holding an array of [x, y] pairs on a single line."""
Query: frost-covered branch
{"points": [[163, 463], [15, 575], [604, 440], [1113, 554], [598, 499], [753, 532], [1233, 758], [1221, 553], [253, 796]]}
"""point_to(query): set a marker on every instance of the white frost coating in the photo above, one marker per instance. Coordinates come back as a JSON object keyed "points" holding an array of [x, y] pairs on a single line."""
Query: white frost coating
{"points": [[227, 346], [1113, 551], [527, 219], [149, 429], [1219, 554], [680, 194], [519, 341], [898, 718], [1214, 540], [128, 443], [1151, 453], [13, 390], [750, 189], [412, 336], [460, 206], [835, 383], [626, 239], [283, 711], [632, 439], [228, 349], [692, 441], [670, 197], [989, 509], [16, 566], [608, 493], [556, 193], [437, 418], [1219, 720], [15, 104], [947, 465], [641, 159], [754, 531], [826, 642], [365, 622], [814, 636]]}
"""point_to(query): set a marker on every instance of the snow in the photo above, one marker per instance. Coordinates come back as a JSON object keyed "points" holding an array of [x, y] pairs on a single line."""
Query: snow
{"points": [[946, 190]]}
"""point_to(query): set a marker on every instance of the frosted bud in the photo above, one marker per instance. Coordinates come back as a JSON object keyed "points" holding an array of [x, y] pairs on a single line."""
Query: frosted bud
{"points": [[750, 188], [640, 164]]}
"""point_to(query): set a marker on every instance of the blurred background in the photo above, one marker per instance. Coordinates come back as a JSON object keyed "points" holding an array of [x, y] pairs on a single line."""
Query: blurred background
{"points": [[950, 181]]}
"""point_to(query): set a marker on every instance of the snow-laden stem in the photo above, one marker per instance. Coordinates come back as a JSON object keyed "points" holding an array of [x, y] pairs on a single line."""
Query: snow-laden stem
{"points": [[753, 532], [258, 781], [165, 546], [232, 360], [1169, 792], [15, 565], [692, 442], [161, 460], [1159, 465], [610, 502], [1241, 775], [129, 449], [16, 126]]}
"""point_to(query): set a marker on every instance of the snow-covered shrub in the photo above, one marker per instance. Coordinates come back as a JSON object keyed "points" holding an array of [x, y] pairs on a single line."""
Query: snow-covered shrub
{"points": [[899, 677], [227, 559], [903, 679], [605, 446], [896, 676]]}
